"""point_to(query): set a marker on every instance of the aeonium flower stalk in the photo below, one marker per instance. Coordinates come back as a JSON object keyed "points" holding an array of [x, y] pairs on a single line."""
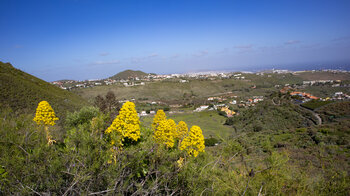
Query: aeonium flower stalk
{"points": [[193, 143], [126, 124], [46, 116]]}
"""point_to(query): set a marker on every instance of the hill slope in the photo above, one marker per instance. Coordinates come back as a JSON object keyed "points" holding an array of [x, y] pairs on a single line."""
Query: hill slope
{"points": [[22, 91], [128, 74]]}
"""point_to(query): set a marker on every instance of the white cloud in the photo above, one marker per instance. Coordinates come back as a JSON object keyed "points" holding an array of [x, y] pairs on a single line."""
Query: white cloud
{"points": [[106, 62], [249, 46], [341, 38], [152, 55], [201, 53], [104, 54], [290, 42], [175, 56], [223, 51]]}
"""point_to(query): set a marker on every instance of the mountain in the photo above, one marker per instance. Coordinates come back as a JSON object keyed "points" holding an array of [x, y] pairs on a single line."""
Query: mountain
{"points": [[22, 92], [127, 74]]}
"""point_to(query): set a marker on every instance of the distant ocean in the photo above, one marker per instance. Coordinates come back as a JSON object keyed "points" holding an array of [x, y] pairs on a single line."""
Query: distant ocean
{"points": [[291, 67], [301, 67]]}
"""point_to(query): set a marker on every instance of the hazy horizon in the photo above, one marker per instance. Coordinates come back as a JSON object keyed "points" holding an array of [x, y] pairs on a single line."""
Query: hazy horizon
{"points": [[80, 40]]}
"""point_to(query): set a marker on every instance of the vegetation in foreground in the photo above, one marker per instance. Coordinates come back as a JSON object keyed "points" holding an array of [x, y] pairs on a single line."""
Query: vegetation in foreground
{"points": [[310, 160]]}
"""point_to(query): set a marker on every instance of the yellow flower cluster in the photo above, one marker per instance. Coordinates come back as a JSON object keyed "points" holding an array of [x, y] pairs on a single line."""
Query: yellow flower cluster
{"points": [[165, 132], [182, 130], [45, 114], [180, 162], [160, 116], [194, 142], [127, 123]]}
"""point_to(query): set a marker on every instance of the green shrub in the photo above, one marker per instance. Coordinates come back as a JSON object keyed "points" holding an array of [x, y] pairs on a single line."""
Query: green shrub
{"points": [[301, 130], [324, 131], [81, 117], [211, 141]]}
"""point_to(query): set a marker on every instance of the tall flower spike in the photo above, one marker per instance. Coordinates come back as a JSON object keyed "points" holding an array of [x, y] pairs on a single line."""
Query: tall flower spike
{"points": [[45, 114], [127, 123], [160, 116], [182, 130], [166, 133], [194, 142]]}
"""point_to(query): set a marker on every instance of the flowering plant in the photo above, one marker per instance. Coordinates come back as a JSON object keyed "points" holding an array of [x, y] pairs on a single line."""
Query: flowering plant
{"points": [[165, 132], [194, 142], [46, 116], [126, 124]]}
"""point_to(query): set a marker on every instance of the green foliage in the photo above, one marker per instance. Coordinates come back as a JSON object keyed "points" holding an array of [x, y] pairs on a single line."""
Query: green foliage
{"points": [[257, 128], [268, 116], [83, 116], [222, 113], [211, 141], [324, 130], [294, 161], [23, 92], [301, 130], [229, 121], [314, 104], [335, 110], [168, 91]]}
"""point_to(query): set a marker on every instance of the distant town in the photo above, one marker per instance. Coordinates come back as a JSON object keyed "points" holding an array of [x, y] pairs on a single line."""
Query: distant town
{"points": [[222, 102]]}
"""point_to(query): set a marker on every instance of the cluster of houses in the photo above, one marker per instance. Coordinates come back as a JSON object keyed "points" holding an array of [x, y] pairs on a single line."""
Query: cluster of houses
{"points": [[222, 97], [339, 96], [305, 96], [221, 107], [72, 84], [248, 102], [135, 81], [219, 104], [238, 76], [229, 113], [127, 84], [321, 82], [144, 113]]}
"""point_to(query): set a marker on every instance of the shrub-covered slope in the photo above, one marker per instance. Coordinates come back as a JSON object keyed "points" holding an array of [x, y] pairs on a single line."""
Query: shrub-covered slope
{"points": [[22, 91], [267, 116]]}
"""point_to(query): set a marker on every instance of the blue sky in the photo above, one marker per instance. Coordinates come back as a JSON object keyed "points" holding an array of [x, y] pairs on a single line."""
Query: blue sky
{"points": [[86, 39]]}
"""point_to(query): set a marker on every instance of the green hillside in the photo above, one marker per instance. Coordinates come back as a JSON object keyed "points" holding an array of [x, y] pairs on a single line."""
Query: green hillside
{"points": [[22, 91], [170, 91], [128, 74]]}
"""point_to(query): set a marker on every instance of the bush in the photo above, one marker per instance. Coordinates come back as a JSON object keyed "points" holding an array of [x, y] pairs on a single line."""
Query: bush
{"points": [[229, 121], [257, 128], [222, 113], [211, 141], [81, 117]]}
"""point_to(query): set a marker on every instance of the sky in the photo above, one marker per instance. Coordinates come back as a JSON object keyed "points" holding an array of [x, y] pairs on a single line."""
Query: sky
{"points": [[93, 39]]}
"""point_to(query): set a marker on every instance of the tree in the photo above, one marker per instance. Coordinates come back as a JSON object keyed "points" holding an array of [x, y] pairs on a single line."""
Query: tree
{"points": [[160, 116], [194, 142], [46, 116], [165, 132], [107, 104], [125, 126], [111, 101], [100, 103]]}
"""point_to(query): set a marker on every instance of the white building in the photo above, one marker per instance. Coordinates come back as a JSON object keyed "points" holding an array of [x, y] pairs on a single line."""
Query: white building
{"points": [[201, 108]]}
